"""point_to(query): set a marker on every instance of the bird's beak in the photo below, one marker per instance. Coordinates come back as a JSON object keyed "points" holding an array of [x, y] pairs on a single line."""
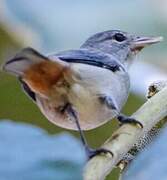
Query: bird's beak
{"points": [[140, 42]]}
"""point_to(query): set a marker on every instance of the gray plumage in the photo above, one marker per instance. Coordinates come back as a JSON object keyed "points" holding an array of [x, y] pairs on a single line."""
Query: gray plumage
{"points": [[91, 56], [97, 86], [84, 88]]}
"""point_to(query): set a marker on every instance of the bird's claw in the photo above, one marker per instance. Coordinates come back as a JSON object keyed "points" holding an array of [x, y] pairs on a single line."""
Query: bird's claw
{"points": [[123, 119], [93, 152]]}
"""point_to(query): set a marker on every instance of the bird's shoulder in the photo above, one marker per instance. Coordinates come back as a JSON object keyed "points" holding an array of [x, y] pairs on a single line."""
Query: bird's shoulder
{"points": [[91, 57]]}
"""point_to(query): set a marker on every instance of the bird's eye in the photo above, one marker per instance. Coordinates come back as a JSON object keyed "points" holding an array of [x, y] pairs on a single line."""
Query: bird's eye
{"points": [[119, 37]]}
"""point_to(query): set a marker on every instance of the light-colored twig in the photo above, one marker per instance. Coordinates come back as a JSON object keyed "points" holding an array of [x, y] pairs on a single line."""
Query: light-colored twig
{"points": [[123, 139]]}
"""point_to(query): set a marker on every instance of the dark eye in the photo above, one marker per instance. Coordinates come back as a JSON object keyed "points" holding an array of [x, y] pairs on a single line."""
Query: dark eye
{"points": [[119, 37]]}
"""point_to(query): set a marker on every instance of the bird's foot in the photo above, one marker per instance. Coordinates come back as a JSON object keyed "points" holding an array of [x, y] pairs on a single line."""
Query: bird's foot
{"points": [[125, 119], [93, 152]]}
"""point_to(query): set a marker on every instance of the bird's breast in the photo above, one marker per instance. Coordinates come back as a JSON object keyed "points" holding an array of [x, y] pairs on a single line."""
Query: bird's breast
{"points": [[82, 90]]}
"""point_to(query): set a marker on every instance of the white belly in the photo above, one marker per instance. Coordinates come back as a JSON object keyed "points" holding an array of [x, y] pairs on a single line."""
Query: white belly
{"points": [[89, 83]]}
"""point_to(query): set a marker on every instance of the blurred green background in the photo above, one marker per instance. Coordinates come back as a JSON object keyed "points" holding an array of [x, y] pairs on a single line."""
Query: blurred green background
{"points": [[53, 25]]}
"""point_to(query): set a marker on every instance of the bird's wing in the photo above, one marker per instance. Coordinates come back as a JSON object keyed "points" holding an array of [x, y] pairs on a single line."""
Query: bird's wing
{"points": [[91, 57], [27, 90]]}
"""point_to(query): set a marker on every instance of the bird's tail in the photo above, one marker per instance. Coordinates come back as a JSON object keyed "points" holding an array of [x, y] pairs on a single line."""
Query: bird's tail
{"points": [[39, 72], [23, 60]]}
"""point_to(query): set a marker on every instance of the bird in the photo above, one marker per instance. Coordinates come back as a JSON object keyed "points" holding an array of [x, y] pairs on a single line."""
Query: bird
{"points": [[81, 89]]}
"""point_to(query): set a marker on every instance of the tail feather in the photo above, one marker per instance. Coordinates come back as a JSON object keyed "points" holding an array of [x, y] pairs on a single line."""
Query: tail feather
{"points": [[38, 72], [24, 59]]}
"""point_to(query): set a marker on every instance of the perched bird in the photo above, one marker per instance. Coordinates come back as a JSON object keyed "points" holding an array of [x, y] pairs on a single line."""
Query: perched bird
{"points": [[84, 88]]}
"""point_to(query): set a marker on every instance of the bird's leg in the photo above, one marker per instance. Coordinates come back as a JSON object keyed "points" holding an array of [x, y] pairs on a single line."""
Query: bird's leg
{"points": [[89, 151], [121, 117]]}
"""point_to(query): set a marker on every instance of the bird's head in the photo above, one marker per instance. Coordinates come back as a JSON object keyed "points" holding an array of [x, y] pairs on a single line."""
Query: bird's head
{"points": [[122, 45]]}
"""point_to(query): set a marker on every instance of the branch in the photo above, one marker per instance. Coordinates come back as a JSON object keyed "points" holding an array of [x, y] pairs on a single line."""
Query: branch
{"points": [[127, 135]]}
